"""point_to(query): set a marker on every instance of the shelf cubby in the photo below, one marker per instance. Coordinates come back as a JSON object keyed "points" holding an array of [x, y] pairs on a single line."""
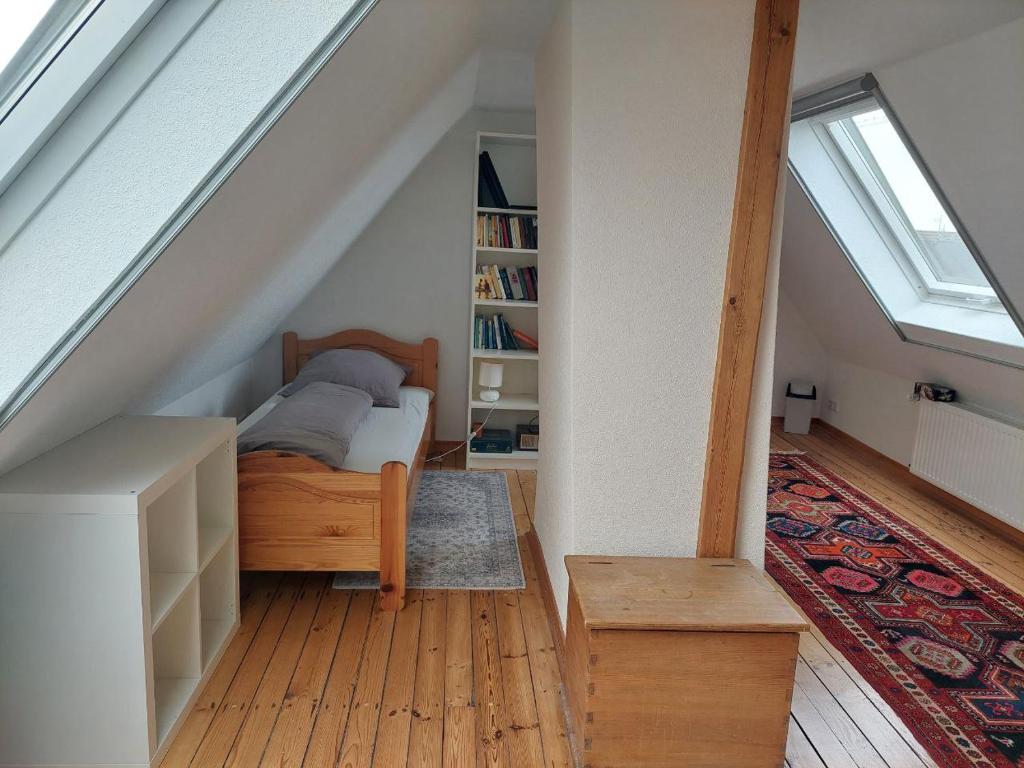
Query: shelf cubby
{"points": [[509, 401], [172, 546], [215, 489], [506, 354], [171, 528], [504, 257], [513, 456], [177, 665], [506, 303], [218, 601], [509, 211]]}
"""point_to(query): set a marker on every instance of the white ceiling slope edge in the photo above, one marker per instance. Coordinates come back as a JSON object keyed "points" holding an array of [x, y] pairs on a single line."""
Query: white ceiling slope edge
{"points": [[838, 40], [248, 257]]}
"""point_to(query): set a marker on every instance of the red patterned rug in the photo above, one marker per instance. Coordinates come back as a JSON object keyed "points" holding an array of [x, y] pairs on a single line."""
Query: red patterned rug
{"points": [[940, 641]]}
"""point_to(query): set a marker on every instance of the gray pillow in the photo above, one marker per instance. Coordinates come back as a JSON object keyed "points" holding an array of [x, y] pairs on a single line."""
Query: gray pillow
{"points": [[318, 421], [379, 377]]}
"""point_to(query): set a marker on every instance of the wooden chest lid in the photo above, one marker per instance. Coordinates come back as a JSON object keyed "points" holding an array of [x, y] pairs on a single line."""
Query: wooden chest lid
{"points": [[681, 594]]}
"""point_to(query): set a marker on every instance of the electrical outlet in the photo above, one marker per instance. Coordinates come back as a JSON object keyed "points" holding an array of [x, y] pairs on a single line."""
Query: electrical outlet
{"points": [[833, 406]]}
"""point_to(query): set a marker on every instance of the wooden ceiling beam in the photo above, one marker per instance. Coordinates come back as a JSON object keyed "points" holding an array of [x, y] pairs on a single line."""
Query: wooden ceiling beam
{"points": [[761, 147]]}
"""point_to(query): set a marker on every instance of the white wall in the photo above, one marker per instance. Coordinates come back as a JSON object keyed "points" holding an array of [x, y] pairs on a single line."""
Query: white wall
{"points": [[972, 151], [870, 371], [554, 513], [272, 231], [639, 111], [798, 356], [224, 395], [407, 275]]}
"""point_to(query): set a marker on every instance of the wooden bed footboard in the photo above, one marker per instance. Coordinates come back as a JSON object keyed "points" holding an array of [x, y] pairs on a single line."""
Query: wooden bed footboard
{"points": [[297, 514]]}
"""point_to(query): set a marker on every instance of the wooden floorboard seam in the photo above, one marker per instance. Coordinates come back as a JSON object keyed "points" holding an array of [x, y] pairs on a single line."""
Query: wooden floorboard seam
{"points": [[295, 669], [252, 731], [339, 737], [298, 655]]}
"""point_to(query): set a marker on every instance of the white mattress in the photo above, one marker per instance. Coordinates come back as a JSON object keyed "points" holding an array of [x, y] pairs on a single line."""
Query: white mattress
{"points": [[388, 434]]}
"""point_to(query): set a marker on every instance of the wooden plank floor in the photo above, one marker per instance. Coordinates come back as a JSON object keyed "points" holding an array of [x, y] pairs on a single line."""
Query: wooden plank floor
{"points": [[320, 677]]}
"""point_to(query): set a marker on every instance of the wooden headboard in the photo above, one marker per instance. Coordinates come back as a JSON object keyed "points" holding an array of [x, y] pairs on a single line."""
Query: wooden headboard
{"points": [[422, 357]]}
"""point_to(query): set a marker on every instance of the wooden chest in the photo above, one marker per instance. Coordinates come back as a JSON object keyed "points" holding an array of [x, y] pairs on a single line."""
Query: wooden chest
{"points": [[678, 662]]}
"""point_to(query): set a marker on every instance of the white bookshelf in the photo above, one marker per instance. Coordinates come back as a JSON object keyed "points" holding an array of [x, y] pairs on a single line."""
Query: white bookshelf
{"points": [[119, 586], [515, 160]]}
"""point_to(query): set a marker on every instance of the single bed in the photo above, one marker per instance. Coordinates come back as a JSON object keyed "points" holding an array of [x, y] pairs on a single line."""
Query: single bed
{"points": [[298, 514]]}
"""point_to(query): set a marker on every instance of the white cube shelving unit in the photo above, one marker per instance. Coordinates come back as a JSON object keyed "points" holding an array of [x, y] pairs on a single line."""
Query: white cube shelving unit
{"points": [[515, 159], [118, 589]]}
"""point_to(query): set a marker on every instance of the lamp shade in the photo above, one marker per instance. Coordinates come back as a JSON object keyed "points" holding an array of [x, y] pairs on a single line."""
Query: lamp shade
{"points": [[490, 374]]}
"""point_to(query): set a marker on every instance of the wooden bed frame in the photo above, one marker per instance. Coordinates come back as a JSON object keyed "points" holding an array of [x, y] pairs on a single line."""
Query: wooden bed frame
{"points": [[298, 514]]}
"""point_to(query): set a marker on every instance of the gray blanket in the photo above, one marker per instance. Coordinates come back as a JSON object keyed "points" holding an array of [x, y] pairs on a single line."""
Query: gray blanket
{"points": [[317, 421]]}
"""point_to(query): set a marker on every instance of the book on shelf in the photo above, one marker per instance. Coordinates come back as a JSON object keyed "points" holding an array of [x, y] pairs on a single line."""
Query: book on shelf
{"points": [[494, 332], [530, 275], [524, 341], [490, 193], [517, 288], [505, 283], [506, 230]]}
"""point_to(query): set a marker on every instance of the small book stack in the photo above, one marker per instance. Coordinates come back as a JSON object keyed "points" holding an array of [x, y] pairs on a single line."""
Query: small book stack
{"points": [[495, 333], [505, 283], [506, 230]]}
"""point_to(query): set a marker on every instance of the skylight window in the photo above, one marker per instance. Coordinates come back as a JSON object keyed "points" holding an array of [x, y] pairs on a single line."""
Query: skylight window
{"points": [[884, 166], [20, 20], [886, 212], [31, 35], [52, 53]]}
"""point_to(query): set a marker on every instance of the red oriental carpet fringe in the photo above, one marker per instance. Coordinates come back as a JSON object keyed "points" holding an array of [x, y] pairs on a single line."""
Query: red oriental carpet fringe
{"points": [[939, 640]]}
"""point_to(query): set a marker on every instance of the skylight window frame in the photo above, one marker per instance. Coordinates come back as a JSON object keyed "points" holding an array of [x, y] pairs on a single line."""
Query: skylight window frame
{"points": [[945, 324], [868, 183], [64, 71], [44, 57]]}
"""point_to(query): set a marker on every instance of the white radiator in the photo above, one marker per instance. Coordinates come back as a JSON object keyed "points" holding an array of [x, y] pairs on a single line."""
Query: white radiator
{"points": [[974, 457]]}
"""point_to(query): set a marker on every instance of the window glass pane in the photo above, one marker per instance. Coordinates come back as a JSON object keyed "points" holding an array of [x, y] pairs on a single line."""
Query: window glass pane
{"points": [[943, 249], [17, 22]]}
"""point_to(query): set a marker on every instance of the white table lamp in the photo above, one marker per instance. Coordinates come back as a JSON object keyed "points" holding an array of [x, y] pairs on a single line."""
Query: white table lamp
{"points": [[490, 377]]}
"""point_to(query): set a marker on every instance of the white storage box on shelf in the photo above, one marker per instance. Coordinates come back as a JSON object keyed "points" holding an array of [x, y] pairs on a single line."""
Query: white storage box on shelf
{"points": [[800, 398], [118, 588]]}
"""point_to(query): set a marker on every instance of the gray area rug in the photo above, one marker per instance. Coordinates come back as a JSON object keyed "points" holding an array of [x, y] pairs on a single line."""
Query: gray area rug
{"points": [[462, 536]]}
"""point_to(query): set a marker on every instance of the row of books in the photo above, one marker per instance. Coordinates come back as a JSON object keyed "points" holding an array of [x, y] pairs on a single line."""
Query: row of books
{"points": [[506, 230], [495, 333], [505, 283]]}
